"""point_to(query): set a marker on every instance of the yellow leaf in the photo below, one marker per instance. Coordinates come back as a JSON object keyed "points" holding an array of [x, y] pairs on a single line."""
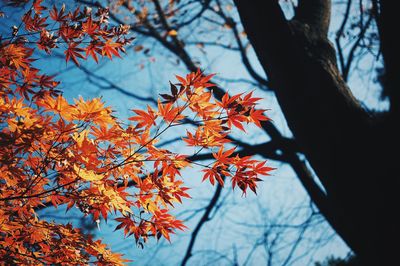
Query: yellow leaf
{"points": [[88, 175], [151, 206], [79, 137]]}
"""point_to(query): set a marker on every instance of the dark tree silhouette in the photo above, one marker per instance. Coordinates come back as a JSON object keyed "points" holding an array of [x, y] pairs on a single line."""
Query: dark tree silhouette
{"points": [[352, 150]]}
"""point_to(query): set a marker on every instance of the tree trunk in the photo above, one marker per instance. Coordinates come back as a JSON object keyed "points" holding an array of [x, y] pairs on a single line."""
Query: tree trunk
{"points": [[352, 151]]}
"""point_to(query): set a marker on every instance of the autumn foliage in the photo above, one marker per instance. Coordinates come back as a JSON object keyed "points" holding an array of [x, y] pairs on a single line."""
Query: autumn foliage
{"points": [[55, 152]]}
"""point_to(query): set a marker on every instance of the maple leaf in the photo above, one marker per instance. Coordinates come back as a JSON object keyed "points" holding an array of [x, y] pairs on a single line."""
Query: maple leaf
{"points": [[179, 193], [228, 102], [110, 48], [213, 174], [236, 120], [37, 235], [80, 137], [164, 223], [170, 113], [38, 7], [93, 49], [257, 116], [261, 169], [144, 119], [73, 52], [58, 16], [58, 105], [88, 175], [90, 27], [104, 255], [105, 133], [16, 55], [48, 82], [222, 156], [56, 200], [70, 34], [115, 259], [35, 23], [127, 224], [196, 79], [94, 110], [47, 41]]}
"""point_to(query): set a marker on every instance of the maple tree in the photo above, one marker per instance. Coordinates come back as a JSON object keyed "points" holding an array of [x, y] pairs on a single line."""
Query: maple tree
{"points": [[80, 154]]}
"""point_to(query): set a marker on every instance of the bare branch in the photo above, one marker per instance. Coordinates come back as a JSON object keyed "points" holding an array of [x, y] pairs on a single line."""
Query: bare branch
{"points": [[339, 35], [205, 218]]}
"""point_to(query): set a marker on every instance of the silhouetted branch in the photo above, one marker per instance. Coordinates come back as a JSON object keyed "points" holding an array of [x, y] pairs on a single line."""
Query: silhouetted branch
{"points": [[113, 86], [353, 49], [202, 221], [339, 35], [229, 21]]}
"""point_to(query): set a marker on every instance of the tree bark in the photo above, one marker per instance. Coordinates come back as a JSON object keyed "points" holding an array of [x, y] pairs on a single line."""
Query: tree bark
{"points": [[350, 150]]}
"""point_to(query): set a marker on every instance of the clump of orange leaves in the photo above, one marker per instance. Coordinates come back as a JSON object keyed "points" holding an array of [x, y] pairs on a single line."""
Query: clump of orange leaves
{"points": [[54, 152]]}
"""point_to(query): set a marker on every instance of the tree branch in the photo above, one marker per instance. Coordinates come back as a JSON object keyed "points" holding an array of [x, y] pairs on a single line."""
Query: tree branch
{"points": [[113, 86], [202, 221], [229, 21], [347, 66], [339, 35]]}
